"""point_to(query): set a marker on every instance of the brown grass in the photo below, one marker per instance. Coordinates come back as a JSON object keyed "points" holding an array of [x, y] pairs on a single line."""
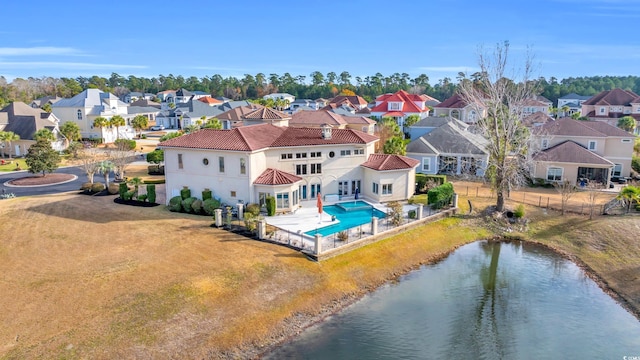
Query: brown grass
{"points": [[82, 277]]}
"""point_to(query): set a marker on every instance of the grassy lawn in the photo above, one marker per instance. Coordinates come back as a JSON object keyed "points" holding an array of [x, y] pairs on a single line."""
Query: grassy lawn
{"points": [[12, 166], [83, 277]]}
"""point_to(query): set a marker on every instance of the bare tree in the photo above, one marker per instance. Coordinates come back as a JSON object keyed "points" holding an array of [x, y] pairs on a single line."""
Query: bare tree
{"points": [[89, 158], [502, 100], [121, 157], [566, 190], [594, 190]]}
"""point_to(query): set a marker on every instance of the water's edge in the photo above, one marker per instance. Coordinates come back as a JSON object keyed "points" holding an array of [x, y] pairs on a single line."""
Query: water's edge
{"points": [[301, 322]]}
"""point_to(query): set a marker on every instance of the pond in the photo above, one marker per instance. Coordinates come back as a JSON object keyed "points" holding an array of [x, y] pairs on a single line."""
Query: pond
{"points": [[484, 301]]}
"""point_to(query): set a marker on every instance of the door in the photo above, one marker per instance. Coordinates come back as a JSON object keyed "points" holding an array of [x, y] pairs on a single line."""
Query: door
{"points": [[303, 192]]}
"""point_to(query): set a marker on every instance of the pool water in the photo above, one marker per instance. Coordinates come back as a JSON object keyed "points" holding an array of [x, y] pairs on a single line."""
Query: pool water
{"points": [[350, 214]]}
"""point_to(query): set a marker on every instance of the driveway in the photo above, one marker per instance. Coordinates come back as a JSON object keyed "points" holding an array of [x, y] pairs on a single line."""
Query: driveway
{"points": [[45, 189]]}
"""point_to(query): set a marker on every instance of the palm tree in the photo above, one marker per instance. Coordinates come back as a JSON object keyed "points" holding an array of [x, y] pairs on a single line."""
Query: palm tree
{"points": [[71, 132], [629, 194], [565, 110], [117, 121], [136, 182], [627, 123], [140, 122], [7, 137], [105, 167], [100, 123], [44, 134]]}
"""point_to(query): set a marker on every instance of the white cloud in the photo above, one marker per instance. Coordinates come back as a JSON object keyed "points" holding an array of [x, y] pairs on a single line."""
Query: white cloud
{"points": [[65, 65], [38, 50]]}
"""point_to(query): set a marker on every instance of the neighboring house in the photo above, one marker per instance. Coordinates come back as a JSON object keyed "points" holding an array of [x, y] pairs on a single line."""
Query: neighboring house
{"points": [[150, 112], [39, 103], [166, 94], [145, 103], [134, 96], [299, 104], [233, 118], [266, 115], [536, 119], [609, 106], [85, 107], [249, 163], [401, 105], [356, 101], [185, 114], [210, 101], [315, 119], [431, 123], [573, 150], [532, 106], [449, 149], [281, 96], [24, 121], [573, 102], [459, 108]]}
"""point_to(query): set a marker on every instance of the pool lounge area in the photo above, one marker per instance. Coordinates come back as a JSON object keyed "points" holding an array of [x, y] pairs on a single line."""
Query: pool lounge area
{"points": [[348, 214]]}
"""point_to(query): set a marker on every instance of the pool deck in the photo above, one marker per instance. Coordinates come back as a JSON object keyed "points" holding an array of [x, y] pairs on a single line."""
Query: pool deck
{"points": [[307, 218]]}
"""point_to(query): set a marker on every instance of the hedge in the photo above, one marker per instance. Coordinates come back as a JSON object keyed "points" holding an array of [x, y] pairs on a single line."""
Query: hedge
{"points": [[175, 204], [271, 205], [185, 193], [210, 205], [422, 179], [187, 204], [206, 194], [440, 196], [122, 189], [197, 206], [151, 193]]}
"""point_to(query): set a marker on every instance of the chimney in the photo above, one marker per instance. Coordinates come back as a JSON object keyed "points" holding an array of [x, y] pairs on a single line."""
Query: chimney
{"points": [[326, 131]]}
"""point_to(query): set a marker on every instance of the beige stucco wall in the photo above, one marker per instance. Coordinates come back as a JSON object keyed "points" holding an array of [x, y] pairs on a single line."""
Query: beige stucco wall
{"points": [[403, 184]]}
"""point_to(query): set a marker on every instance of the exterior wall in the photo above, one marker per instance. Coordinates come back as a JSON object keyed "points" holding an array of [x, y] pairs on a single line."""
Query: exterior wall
{"points": [[198, 176], [365, 128], [402, 184], [569, 171], [417, 131], [430, 159]]}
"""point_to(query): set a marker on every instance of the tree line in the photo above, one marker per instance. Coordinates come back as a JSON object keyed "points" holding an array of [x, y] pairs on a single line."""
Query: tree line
{"points": [[312, 86]]}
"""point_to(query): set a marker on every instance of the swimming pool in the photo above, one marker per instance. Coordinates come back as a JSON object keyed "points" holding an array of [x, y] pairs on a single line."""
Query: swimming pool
{"points": [[350, 214]]}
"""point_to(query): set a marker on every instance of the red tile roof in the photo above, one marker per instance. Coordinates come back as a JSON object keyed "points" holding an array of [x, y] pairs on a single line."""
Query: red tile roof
{"points": [[262, 136], [236, 114], [357, 100], [570, 127], [394, 114], [571, 152], [209, 100], [383, 162], [276, 177], [454, 102], [614, 97], [266, 113], [407, 99], [301, 118]]}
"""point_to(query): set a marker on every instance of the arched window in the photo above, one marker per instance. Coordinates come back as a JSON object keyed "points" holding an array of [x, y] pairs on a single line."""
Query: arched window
{"points": [[79, 114]]}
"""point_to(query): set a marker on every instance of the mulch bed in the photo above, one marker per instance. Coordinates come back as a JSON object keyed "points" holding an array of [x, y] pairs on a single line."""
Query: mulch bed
{"points": [[134, 203], [48, 179]]}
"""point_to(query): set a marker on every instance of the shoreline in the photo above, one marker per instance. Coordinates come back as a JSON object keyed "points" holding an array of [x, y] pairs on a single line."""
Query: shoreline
{"points": [[302, 322]]}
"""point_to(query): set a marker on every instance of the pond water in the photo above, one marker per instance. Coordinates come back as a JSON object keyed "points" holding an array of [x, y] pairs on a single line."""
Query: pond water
{"points": [[484, 301]]}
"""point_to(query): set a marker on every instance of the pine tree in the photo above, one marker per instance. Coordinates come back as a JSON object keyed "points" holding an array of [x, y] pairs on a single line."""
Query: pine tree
{"points": [[41, 158]]}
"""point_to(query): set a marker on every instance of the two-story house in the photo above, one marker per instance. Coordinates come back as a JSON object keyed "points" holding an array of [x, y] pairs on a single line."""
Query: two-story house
{"points": [[609, 106], [280, 96], [249, 163], [573, 150], [571, 104], [23, 120], [532, 106], [456, 106], [315, 119], [85, 107], [401, 105]]}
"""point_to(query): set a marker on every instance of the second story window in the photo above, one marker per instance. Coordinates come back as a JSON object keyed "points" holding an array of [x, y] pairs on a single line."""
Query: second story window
{"points": [[345, 152], [221, 164], [79, 114], [243, 166], [316, 168], [592, 145], [301, 169], [180, 164]]}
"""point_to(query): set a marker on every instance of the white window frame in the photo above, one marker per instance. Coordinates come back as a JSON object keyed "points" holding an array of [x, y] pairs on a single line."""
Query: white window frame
{"points": [[554, 175], [426, 164], [618, 172], [545, 144], [592, 145], [79, 114], [375, 188], [387, 189]]}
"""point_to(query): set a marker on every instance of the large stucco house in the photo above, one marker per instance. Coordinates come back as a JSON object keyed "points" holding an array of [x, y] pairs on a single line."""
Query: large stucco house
{"points": [[85, 107], [573, 150], [246, 164], [458, 107], [24, 121], [400, 105], [609, 106]]}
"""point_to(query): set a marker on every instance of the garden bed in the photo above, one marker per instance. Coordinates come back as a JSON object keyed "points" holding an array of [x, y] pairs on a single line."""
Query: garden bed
{"points": [[134, 202]]}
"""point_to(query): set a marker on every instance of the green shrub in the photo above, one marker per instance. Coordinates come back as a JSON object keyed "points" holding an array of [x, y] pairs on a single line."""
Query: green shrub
{"points": [[142, 197], [122, 189], [97, 187], [440, 196], [187, 204], [635, 164], [175, 204], [197, 206], [128, 195], [86, 186], [251, 222], [519, 211], [206, 194], [210, 205], [154, 181], [253, 209], [439, 179], [185, 193], [143, 136], [125, 144], [421, 182], [151, 193], [412, 214], [271, 205]]}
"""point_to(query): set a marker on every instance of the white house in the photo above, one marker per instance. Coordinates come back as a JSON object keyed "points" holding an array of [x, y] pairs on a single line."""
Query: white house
{"points": [[281, 96], [459, 108], [85, 107], [401, 105], [249, 163]]}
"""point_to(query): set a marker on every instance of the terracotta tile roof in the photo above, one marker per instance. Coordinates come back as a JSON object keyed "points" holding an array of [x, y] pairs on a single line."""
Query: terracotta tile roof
{"points": [[357, 100], [571, 152], [302, 118], [534, 102], [358, 120], [614, 97], [276, 177], [408, 105], [236, 113], [262, 136], [570, 127], [209, 100], [394, 114], [266, 113], [537, 117], [383, 162]]}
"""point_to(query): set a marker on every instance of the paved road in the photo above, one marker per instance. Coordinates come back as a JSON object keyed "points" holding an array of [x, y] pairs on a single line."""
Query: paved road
{"points": [[43, 190]]}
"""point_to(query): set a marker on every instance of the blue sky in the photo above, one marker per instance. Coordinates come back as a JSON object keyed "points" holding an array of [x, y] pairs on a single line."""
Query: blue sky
{"points": [[200, 38]]}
